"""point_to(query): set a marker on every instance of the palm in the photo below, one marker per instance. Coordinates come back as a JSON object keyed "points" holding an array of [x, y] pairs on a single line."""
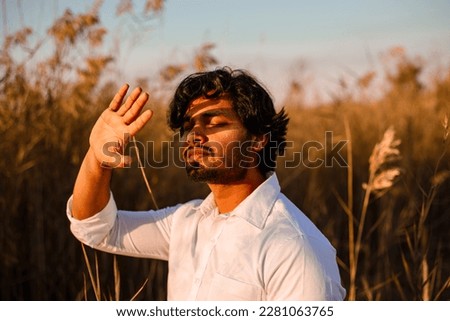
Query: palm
{"points": [[116, 125]]}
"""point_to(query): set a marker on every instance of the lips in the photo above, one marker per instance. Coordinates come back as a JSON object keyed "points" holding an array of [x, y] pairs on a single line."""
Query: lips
{"points": [[192, 153]]}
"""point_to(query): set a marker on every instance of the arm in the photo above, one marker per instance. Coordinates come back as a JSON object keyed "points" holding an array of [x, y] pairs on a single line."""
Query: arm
{"points": [[108, 139], [303, 269]]}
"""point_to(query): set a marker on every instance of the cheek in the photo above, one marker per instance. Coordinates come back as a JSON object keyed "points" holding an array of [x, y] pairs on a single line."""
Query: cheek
{"points": [[225, 141]]}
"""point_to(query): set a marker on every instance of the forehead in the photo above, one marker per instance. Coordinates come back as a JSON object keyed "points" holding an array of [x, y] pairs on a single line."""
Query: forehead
{"points": [[201, 105]]}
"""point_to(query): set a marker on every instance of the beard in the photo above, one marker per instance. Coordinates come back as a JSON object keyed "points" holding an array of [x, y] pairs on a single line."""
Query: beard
{"points": [[221, 171], [201, 173]]}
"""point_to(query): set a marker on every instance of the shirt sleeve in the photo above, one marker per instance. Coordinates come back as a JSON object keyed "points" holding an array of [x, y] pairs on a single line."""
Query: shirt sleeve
{"points": [[302, 269], [144, 234]]}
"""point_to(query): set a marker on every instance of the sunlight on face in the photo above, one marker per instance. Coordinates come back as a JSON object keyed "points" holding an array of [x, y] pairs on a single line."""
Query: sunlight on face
{"points": [[214, 136]]}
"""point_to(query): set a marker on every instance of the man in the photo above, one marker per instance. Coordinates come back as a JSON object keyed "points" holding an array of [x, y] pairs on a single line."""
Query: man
{"points": [[246, 240]]}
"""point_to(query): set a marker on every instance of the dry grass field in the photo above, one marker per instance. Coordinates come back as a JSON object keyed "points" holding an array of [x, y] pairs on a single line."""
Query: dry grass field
{"points": [[372, 173]]}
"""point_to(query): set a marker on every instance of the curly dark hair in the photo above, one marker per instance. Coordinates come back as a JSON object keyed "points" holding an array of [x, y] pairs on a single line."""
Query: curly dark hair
{"points": [[249, 98]]}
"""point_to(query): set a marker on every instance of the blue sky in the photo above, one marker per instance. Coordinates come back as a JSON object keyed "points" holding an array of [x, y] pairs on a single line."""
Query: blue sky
{"points": [[278, 40]]}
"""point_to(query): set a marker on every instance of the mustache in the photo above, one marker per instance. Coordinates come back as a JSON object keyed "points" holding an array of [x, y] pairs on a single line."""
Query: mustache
{"points": [[204, 148]]}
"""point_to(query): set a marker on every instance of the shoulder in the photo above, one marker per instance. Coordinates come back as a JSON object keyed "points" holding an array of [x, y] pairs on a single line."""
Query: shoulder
{"points": [[185, 209], [292, 227]]}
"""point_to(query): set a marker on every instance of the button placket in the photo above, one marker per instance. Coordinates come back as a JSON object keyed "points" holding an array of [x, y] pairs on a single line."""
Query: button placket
{"points": [[215, 230]]}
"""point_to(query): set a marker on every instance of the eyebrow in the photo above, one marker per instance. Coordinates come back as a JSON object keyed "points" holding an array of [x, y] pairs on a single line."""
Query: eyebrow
{"points": [[211, 113]]}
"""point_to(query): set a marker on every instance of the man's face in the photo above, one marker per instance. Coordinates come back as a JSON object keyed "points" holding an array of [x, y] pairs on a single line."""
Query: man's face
{"points": [[215, 142]]}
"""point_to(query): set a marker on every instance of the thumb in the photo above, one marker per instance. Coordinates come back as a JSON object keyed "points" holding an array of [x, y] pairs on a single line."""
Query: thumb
{"points": [[117, 161], [111, 155]]}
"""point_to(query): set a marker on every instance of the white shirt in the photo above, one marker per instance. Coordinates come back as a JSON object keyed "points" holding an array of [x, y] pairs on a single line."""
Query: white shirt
{"points": [[265, 249]]}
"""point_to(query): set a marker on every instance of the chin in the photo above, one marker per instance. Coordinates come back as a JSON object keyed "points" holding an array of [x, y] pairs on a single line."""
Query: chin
{"points": [[198, 173], [215, 175]]}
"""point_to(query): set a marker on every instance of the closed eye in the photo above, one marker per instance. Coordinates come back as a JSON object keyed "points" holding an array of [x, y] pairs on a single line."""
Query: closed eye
{"points": [[216, 118], [217, 124], [217, 121]]}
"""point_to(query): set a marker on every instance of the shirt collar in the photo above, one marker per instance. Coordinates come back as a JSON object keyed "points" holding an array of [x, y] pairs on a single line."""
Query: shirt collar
{"points": [[207, 206], [255, 208]]}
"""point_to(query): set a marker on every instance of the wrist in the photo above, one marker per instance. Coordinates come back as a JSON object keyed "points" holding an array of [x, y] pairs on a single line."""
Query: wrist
{"points": [[94, 165]]}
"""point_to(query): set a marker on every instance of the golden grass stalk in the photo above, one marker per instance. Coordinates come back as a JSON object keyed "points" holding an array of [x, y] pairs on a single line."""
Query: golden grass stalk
{"points": [[381, 177], [427, 276], [140, 290], [95, 282], [421, 274], [116, 279], [147, 184], [349, 209]]}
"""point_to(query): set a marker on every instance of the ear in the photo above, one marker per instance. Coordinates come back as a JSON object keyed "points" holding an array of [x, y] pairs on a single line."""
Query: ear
{"points": [[260, 141]]}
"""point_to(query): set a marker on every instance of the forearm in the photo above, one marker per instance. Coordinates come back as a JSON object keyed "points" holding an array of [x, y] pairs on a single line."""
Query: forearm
{"points": [[92, 188]]}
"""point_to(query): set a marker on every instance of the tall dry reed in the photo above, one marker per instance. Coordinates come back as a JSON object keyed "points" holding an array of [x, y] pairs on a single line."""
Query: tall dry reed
{"points": [[392, 240]]}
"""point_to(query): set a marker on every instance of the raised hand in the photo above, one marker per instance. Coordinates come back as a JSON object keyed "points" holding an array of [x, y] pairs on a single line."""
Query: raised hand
{"points": [[116, 125]]}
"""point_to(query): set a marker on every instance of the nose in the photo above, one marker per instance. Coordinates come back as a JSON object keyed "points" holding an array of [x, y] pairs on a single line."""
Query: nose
{"points": [[196, 137]]}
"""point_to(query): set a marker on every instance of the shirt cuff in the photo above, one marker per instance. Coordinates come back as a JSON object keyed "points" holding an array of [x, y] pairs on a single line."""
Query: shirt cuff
{"points": [[93, 230]]}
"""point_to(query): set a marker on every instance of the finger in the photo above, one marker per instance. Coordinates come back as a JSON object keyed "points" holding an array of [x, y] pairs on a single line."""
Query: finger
{"points": [[130, 101], [140, 122], [135, 109], [117, 100]]}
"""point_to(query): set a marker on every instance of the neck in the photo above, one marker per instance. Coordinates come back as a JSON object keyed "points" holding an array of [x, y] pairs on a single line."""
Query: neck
{"points": [[229, 196]]}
